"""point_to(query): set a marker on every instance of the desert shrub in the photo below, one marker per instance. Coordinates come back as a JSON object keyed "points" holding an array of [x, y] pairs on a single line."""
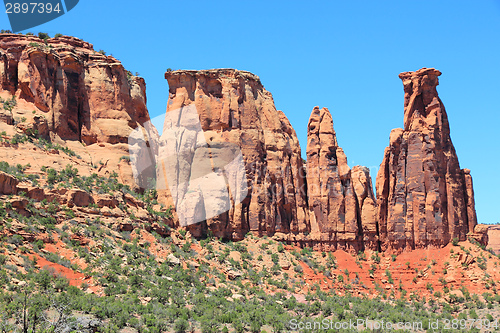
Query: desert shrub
{"points": [[43, 35], [181, 325], [16, 239], [376, 257]]}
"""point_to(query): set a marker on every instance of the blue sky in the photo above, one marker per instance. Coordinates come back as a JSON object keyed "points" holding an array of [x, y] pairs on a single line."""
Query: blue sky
{"points": [[344, 55]]}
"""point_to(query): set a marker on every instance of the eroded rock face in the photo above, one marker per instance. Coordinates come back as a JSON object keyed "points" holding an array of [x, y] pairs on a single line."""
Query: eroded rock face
{"points": [[341, 201], [65, 88], [367, 206], [331, 196], [235, 109], [424, 198], [480, 234], [8, 183]]}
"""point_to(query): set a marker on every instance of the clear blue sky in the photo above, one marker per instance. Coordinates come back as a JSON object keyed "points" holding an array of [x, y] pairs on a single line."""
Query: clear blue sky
{"points": [[344, 55]]}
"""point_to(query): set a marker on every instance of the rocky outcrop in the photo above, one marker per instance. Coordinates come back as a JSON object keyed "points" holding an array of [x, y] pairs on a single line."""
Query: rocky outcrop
{"points": [[480, 234], [424, 198], [65, 88], [221, 129], [341, 200], [8, 183], [331, 197], [494, 238], [234, 110], [367, 206]]}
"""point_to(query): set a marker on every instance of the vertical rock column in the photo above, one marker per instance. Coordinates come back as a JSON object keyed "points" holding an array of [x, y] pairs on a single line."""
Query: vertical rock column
{"points": [[367, 206], [332, 201], [422, 198]]}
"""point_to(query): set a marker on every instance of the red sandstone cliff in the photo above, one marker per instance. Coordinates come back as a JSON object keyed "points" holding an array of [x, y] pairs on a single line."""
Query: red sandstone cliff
{"points": [[424, 198], [494, 238], [76, 92], [73, 96], [234, 108], [341, 200], [70, 93]]}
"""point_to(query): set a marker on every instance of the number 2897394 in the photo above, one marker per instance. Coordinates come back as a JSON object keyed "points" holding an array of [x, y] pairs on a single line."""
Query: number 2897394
{"points": [[31, 7]]}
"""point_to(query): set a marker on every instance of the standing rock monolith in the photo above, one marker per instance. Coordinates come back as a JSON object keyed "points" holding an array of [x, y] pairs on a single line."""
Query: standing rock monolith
{"points": [[422, 193]]}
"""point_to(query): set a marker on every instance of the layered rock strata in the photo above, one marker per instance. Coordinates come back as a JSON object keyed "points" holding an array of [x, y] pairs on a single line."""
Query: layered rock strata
{"points": [[341, 200], [235, 109], [65, 91], [424, 198], [65, 88]]}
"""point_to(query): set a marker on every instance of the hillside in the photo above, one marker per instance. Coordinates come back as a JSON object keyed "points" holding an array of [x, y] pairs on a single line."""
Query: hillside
{"points": [[87, 245]]}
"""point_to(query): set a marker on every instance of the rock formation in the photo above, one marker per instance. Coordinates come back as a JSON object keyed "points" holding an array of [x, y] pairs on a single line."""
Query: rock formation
{"points": [[341, 201], [234, 108], [480, 234], [67, 89], [494, 238], [424, 198], [367, 206], [63, 90]]}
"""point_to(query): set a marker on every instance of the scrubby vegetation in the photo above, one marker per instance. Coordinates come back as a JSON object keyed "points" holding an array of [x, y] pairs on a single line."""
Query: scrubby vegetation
{"points": [[141, 293]]}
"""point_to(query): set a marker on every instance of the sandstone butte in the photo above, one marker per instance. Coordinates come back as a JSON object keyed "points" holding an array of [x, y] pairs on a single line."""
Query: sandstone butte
{"points": [[80, 98]]}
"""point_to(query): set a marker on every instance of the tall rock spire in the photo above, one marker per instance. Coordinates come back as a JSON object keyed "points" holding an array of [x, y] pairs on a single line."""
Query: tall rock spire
{"points": [[421, 190], [339, 198]]}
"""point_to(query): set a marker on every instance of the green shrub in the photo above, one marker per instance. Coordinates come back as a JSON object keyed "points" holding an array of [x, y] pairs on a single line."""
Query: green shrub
{"points": [[376, 257], [181, 325], [43, 35], [281, 248], [16, 239]]}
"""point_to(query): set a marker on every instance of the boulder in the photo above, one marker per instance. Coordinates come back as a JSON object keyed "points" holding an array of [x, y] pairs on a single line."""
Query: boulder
{"points": [[79, 198], [480, 234], [173, 259], [8, 183]]}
